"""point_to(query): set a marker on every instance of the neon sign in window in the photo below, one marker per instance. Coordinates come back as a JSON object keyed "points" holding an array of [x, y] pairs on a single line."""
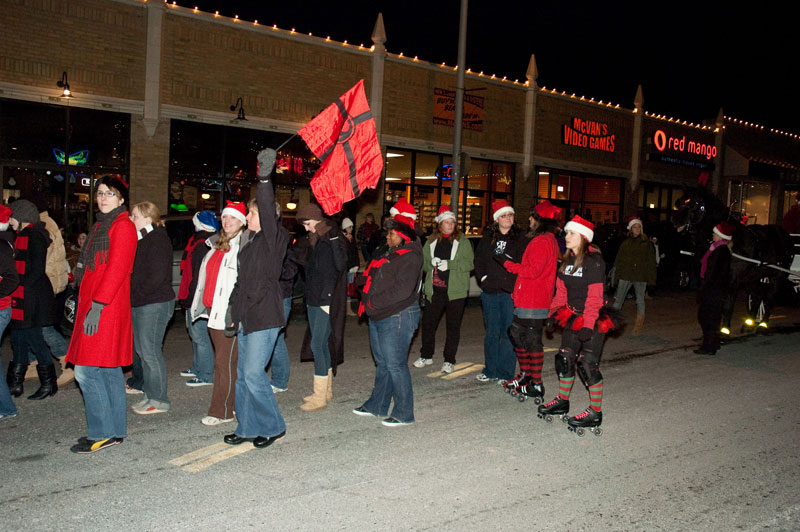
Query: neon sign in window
{"points": [[78, 158]]}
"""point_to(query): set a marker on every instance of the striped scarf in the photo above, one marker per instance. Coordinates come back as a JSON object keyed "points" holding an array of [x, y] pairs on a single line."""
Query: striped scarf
{"points": [[95, 250]]}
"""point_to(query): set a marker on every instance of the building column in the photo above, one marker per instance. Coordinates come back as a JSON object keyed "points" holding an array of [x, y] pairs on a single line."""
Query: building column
{"points": [[720, 163], [630, 201], [149, 153], [524, 188]]}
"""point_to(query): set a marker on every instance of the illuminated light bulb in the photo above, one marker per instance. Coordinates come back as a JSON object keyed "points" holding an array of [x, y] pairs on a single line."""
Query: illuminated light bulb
{"points": [[442, 63], [345, 43], [292, 30], [236, 17], [504, 78], [328, 38], [763, 324], [274, 26], [372, 48], [415, 58], [361, 45], [195, 8], [725, 330], [255, 22], [216, 13], [749, 322], [174, 3]]}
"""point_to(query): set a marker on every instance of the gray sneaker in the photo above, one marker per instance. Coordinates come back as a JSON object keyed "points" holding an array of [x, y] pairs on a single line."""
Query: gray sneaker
{"points": [[422, 362], [481, 377], [447, 367]]}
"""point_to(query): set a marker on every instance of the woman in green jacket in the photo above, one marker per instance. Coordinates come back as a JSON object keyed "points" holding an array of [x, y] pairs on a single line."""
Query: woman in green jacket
{"points": [[635, 267], [447, 262]]}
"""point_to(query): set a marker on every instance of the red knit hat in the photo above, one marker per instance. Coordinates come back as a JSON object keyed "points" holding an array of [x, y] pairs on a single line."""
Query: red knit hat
{"points": [[444, 214], [501, 207], [5, 216], [547, 210], [403, 207], [235, 209], [633, 220], [724, 230], [583, 227]]}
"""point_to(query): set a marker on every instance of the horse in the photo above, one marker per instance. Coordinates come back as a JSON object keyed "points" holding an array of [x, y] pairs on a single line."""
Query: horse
{"points": [[762, 254]]}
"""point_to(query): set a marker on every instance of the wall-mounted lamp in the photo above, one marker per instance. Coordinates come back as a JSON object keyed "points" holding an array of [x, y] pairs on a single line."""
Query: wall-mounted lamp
{"points": [[64, 84], [240, 105], [292, 203]]}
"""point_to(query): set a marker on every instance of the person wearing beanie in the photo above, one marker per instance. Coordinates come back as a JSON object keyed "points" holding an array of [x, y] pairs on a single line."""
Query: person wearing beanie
{"points": [[152, 306], [217, 276], [257, 314], [635, 266], [9, 280], [532, 294], [715, 278], [32, 302], [102, 339], [578, 308], [201, 372], [447, 260], [503, 237], [390, 299], [352, 262], [325, 267]]}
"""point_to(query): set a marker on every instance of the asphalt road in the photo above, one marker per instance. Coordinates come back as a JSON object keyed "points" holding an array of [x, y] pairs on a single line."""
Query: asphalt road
{"points": [[689, 443]]}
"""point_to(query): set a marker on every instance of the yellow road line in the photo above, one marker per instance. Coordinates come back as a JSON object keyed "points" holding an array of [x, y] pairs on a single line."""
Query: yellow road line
{"points": [[194, 455], [550, 349], [204, 463], [470, 369], [460, 365]]}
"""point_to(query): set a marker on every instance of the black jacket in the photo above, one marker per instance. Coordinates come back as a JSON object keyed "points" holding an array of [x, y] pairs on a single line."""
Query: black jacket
{"points": [[151, 281], [256, 301], [325, 263], [9, 279], [492, 243], [34, 304], [392, 283]]}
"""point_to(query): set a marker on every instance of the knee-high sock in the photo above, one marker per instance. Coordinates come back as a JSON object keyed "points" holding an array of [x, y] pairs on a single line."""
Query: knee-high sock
{"points": [[596, 396], [536, 360], [565, 387]]}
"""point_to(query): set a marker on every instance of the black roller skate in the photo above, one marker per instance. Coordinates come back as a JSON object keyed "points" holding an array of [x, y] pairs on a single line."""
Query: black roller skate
{"points": [[510, 386], [556, 407], [588, 419], [534, 390]]}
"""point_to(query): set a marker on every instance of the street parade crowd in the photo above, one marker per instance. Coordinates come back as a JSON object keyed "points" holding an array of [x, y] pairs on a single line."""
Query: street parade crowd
{"points": [[237, 276]]}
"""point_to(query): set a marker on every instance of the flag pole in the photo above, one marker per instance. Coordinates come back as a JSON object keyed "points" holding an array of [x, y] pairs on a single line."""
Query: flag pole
{"points": [[462, 60], [285, 143]]}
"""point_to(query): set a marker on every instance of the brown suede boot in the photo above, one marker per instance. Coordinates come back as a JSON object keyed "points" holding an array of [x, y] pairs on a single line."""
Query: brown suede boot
{"points": [[318, 400], [637, 328], [329, 395], [67, 374]]}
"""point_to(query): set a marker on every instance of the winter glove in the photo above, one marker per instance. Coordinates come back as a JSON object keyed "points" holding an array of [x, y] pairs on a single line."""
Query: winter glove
{"points": [[92, 320], [326, 309], [502, 258], [585, 334], [550, 325], [230, 327], [435, 262], [266, 161], [442, 266]]}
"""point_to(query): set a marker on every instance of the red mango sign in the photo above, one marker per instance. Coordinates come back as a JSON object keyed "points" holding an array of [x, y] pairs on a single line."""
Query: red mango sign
{"points": [[664, 142]]}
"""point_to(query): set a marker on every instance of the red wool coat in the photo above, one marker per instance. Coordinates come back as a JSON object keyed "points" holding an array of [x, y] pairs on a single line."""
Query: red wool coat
{"points": [[110, 283], [536, 274]]}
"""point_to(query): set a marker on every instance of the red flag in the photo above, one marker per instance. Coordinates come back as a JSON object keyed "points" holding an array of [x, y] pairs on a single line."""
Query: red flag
{"points": [[344, 138]]}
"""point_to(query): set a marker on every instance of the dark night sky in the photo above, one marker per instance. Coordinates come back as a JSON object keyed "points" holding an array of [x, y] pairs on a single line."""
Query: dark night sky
{"points": [[690, 57]]}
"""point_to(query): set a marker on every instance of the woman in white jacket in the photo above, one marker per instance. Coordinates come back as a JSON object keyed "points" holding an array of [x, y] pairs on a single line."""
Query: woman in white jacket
{"points": [[215, 283]]}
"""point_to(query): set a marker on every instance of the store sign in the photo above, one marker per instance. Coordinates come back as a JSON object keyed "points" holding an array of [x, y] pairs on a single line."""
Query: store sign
{"points": [[444, 109], [664, 142], [588, 134]]}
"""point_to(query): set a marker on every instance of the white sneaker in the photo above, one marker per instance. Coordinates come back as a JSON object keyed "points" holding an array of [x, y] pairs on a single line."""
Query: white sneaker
{"points": [[422, 362], [275, 389], [211, 420], [188, 373], [481, 377], [447, 367]]}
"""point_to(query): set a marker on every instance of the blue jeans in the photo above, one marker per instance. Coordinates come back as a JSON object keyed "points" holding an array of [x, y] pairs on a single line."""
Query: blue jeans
{"points": [[320, 323], [7, 407], [57, 344], [104, 398], [203, 361], [149, 325], [639, 287], [390, 339], [256, 408], [280, 357], [30, 340], [498, 352]]}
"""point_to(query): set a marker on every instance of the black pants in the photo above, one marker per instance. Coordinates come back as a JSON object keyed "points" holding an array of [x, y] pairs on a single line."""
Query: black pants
{"points": [[709, 314], [454, 310]]}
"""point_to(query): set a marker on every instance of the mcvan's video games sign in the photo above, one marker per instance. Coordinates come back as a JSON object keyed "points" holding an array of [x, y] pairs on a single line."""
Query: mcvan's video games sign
{"points": [[588, 134]]}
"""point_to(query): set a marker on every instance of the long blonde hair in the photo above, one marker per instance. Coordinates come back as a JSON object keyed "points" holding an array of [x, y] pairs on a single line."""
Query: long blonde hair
{"points": [[149, 210], [223, 244]]}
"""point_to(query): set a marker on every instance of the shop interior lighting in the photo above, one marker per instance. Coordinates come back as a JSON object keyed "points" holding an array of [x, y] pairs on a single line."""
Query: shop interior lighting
{"points": [[205, 195], [240, 105], [392, 154], [63, 84]]}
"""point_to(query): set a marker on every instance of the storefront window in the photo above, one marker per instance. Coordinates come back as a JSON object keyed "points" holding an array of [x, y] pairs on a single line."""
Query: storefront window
{"points": [[752, 199], [596, 198], [398, 166]]}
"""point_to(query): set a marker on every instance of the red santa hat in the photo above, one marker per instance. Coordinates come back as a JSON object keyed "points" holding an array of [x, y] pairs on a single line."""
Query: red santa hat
{"points": [[633, 220], [235, 209], [501, 207], [444, 214], [5, 216], [724, 230], [403, 207], [581, 226], [547, 210]]}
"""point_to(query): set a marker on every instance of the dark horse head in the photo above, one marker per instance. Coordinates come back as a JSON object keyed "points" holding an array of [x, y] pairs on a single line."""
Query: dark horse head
{"points": [[698, 211]]}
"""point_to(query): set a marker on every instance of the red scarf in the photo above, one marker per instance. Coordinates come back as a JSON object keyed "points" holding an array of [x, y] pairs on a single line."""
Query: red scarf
{"points": [[212, 271]]}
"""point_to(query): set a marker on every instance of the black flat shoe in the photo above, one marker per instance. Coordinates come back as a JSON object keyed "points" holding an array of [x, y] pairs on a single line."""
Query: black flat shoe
{"points": [[704, 351], [233, 439], [262, 441]]}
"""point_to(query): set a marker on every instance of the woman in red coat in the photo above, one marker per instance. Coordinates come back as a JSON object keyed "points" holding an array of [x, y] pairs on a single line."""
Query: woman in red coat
{"points": [[103, 340]]}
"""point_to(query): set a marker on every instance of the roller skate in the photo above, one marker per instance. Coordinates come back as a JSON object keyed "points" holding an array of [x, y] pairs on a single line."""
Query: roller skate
{"points": [[588, 419], [556, 407], [531, 389], [511, 385]]}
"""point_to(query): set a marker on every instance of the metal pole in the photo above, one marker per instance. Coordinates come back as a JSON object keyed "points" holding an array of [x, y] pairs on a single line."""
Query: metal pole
{"points": [[66, 174], [462, 60]]}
